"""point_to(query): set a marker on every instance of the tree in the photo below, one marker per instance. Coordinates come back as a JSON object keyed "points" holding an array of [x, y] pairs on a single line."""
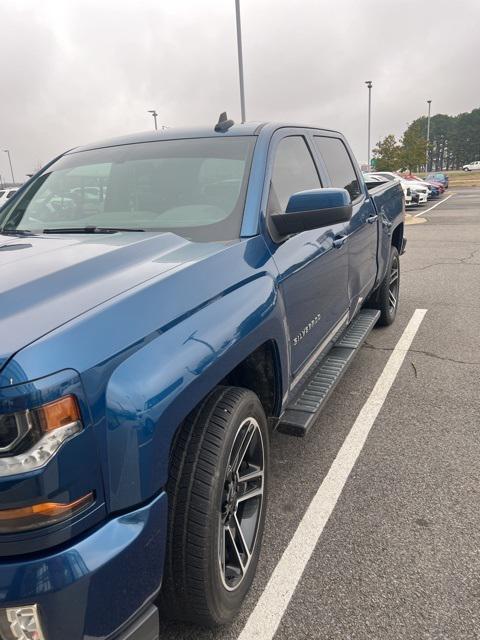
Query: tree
{"points": [[414, 147], [466, 139], [442, 134], [387, 154], [454, 141]]}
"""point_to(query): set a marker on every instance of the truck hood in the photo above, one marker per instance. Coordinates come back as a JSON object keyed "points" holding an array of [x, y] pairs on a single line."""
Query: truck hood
{"points": [[46, 281]]}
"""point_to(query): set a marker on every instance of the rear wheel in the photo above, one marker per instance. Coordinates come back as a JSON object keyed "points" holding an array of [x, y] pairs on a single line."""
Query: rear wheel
{"points": [[385, 298], [217, 502]]}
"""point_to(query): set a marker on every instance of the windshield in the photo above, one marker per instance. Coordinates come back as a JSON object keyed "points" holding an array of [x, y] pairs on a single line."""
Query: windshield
{"points": [[387, 176], [192, 187]]}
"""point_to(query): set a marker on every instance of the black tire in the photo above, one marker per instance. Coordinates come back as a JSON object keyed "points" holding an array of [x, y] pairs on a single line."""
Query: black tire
{"points": [[385, 298], [197, 586]]}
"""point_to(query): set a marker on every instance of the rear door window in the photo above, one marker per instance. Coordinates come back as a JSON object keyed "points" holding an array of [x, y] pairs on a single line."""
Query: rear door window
{"points": [[339, 165]]}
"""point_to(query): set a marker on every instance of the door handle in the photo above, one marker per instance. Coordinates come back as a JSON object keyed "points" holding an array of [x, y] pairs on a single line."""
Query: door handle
{"points": [[372, 219], [339, 241]]}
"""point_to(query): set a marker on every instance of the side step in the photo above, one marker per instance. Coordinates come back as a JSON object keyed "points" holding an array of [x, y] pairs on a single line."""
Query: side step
{"points": [[322, 379]]}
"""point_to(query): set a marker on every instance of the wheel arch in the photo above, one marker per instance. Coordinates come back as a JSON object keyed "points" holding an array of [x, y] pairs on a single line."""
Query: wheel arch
{"points": [[153, 391], [261, 372], [397, 237]]}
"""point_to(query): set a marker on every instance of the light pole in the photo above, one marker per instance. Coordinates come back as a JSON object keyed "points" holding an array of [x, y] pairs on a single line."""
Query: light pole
{"points": [[240, 60], [369, 85], [10, 162], [154, 114], [428, 133]]}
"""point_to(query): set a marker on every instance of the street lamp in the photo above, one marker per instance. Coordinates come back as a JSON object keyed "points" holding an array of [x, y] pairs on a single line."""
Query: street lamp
{"points": [[240, 60], [369, 84], [429, 102], [154, 114], [10, 162]]}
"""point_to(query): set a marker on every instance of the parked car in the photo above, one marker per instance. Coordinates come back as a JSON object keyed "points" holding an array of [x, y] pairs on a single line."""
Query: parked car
{"points": [[438, 185], [422, 193], [372, 178], [438, 177], [415, 198], [433, 190], [419, 190], [219, 290], [6, 194], [472, 166]]}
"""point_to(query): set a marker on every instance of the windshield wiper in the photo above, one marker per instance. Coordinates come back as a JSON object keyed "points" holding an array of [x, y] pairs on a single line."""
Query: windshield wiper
{"points": [[89, 230], [16, 232]]}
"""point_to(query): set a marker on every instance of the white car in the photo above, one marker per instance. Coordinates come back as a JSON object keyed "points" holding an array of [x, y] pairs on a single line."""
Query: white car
{"points": [[407, 192], [5, 194], [417, 189], [420, 190], [472, 166]]}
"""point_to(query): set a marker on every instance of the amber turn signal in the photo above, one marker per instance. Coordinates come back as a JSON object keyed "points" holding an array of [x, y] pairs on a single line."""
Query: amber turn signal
{"points": [[59, 413], [41, 515]]}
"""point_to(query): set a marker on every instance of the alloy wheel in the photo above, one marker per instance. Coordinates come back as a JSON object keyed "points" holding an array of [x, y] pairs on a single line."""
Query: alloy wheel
{"points": [[393, 288], [242, 504]]}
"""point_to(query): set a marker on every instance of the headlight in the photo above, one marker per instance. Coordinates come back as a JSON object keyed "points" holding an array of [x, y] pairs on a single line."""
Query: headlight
{"points": [[29, 439]]}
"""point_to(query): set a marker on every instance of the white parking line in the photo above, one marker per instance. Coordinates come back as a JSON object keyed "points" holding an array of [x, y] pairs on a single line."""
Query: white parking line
{"points": [[268, 612], [422, 213]]}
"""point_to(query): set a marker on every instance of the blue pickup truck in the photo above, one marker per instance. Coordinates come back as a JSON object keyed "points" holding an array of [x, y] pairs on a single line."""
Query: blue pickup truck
{"points": [[167, 300]]}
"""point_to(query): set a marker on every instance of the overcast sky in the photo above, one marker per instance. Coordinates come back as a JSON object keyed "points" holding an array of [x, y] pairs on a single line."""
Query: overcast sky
{"points": [[73, 71]]}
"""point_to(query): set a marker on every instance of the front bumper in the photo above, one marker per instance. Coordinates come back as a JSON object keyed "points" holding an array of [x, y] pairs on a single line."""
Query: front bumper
{"points": [[94, 588]]}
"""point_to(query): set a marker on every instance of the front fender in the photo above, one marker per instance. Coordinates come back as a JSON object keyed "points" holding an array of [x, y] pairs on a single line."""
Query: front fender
{"points": [[153, 390]]}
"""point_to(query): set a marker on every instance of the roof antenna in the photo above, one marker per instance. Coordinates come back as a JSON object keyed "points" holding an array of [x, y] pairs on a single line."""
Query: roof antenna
{"points": [[223, 123]]}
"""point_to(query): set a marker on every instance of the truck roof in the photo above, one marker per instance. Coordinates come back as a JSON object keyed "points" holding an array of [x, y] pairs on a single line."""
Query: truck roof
{"points": [[246, 129]]}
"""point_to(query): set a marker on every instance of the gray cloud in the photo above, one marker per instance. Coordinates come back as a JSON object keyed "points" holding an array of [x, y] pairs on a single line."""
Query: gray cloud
{"points": [[80, 70]]}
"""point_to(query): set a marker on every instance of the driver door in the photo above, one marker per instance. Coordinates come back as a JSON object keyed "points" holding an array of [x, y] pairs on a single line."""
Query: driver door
{"points": [[313, 265]]}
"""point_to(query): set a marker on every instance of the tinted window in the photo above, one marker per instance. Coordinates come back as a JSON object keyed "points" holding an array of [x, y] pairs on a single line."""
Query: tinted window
{"points": [[338, 164], [11, 193], [192, 187], [293, 171], [1, 193]]}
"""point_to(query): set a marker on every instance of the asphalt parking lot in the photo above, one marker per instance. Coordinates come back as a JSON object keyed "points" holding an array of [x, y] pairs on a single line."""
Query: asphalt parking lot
{"points": [[399, 556]]}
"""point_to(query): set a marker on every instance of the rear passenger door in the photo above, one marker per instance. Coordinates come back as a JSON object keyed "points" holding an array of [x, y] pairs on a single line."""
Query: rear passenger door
{"points": [[313, 272], [363, 226]]}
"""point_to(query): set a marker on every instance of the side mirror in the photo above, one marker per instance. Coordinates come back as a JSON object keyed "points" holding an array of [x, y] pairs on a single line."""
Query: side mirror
{"points": [[313, 209]]}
